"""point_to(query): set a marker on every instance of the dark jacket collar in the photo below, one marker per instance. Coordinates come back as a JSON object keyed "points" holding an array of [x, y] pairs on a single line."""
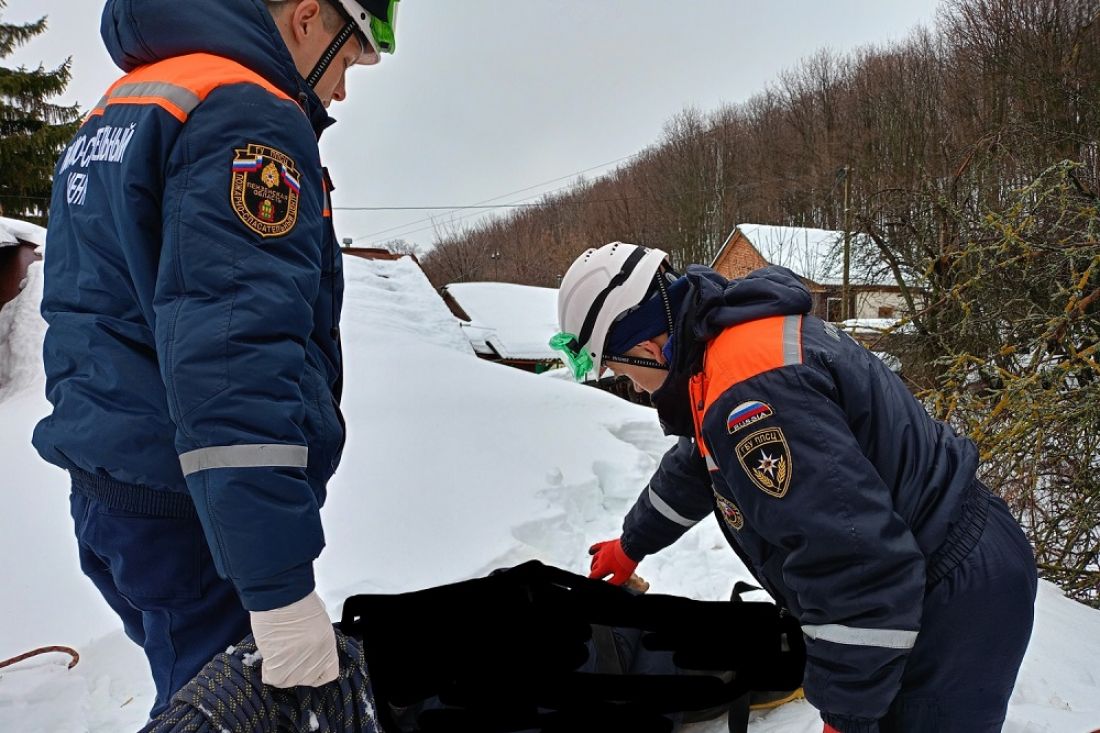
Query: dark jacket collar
{"points": [[712, 304]]}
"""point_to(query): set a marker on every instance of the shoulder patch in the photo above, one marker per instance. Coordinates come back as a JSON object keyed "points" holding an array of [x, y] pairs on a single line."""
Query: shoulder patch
{"points": [[264, 190], [733, 516], [746, 414], [765, 458]]}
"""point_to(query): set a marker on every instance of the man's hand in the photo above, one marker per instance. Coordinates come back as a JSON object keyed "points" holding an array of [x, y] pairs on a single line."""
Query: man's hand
{"points": [[609, 558], [298, 644]]}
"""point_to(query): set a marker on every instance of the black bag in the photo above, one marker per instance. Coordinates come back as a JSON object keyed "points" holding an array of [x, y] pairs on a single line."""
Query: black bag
{"points": [[536, 648], [618, 651]]}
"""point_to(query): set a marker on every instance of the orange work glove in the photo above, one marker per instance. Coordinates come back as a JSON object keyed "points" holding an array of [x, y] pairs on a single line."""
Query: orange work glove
{"points": [[608, 558]]}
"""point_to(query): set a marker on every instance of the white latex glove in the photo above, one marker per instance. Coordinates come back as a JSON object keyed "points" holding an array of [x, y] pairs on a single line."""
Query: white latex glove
{"points": [[298, 644]]}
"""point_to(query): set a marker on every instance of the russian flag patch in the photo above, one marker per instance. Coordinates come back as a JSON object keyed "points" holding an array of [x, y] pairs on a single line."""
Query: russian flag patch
{"points": [[746, 414]]}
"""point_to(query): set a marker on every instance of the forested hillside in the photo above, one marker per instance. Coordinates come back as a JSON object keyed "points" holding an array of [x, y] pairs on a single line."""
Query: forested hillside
{"points": [[970, 157]]}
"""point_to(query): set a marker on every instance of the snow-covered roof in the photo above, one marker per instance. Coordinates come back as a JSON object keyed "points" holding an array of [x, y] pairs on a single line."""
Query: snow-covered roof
{"points": [[514, 321], [869, 325], [395, 298], [16, 231], [815, 254]]}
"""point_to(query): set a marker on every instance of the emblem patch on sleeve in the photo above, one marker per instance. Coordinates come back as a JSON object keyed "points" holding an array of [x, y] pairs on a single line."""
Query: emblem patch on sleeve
{"points": [[766, 459], [733, 516], [746, 414], [264, 190]]}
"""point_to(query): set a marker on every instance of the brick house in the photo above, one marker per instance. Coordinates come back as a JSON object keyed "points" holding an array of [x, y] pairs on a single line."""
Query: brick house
{"points": [[816, 256]]}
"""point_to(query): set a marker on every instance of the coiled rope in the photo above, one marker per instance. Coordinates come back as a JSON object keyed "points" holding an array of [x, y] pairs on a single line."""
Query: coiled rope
{"points": [[228, 696]]}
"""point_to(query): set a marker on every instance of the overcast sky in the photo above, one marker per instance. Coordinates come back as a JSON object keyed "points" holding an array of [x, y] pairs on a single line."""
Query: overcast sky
{"points": [[487, 97]]}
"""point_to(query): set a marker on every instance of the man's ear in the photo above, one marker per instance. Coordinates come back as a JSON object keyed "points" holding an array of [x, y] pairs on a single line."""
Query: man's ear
{"points": [[653, 350], [305, 19]]}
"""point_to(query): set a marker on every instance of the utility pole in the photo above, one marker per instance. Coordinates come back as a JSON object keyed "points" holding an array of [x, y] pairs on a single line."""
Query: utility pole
{"points": [[494, 256], [845, 291]]}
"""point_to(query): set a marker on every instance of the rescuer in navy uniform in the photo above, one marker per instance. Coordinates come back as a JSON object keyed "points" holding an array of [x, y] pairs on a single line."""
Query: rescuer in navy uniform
{"points": [[857, 511], [192, 293]]}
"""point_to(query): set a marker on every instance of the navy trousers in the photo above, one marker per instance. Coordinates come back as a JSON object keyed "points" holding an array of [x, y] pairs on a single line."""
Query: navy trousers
{"points": [[157, 574], [975, 629]]}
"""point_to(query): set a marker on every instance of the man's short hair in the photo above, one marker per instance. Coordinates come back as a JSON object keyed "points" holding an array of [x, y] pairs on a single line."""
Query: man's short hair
{"points": [[332, 19]]}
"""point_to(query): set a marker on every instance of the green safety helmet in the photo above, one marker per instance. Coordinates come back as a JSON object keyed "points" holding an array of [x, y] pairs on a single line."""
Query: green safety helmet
{"points": [[375, 21]]}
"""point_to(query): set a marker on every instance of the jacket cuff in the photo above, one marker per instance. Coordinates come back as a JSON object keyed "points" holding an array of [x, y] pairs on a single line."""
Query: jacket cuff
{"points": [[265, 594], [630, 551], [848, 724]]}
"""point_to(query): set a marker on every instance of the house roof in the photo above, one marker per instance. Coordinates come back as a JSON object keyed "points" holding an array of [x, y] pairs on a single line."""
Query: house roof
{"points": [[814, 254], [512, 321], [869, 325], [16, 231], [396, 299], [377, 253]]}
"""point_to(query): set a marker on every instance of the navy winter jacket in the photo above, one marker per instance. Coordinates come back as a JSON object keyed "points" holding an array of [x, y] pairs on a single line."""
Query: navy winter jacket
{"points": [[193, 288], [827, 476]]}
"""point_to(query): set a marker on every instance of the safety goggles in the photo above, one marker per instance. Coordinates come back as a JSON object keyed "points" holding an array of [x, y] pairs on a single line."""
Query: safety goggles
{"points": [[577, 359]]}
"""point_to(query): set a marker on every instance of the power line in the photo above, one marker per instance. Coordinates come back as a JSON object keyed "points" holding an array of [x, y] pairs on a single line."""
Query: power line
{"points": [[580, 202], [486, 201], [428, 208], [510, 193]]}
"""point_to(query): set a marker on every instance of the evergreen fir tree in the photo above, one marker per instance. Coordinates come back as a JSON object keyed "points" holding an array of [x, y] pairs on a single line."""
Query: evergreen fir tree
{"points": [[32, 130]]}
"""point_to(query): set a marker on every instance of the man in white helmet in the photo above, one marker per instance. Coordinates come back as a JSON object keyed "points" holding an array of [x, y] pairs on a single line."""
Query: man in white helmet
{"points": [[857, 511], [193, 290]]}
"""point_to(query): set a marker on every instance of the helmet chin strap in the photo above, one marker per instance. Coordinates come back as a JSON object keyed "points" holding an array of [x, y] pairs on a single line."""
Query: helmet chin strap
{"points": [[330, 53], [637, 361]]}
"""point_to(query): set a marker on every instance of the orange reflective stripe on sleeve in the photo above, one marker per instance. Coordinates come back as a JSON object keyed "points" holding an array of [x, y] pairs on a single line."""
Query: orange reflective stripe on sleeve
{"points": [[178, 85], [748, 349]]}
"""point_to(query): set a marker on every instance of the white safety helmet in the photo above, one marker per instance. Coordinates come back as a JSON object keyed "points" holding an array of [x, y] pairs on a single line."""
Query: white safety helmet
{"points": [[601, 285]]}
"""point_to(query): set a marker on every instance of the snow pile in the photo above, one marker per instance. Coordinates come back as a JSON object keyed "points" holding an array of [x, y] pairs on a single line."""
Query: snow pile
{"points": [[17, 231], [453, 467], [21, 326], [393, 298], [21, 333]]}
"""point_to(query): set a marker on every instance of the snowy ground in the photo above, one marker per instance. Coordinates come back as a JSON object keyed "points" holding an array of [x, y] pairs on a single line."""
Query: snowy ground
{"points": [[453, 467]]}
